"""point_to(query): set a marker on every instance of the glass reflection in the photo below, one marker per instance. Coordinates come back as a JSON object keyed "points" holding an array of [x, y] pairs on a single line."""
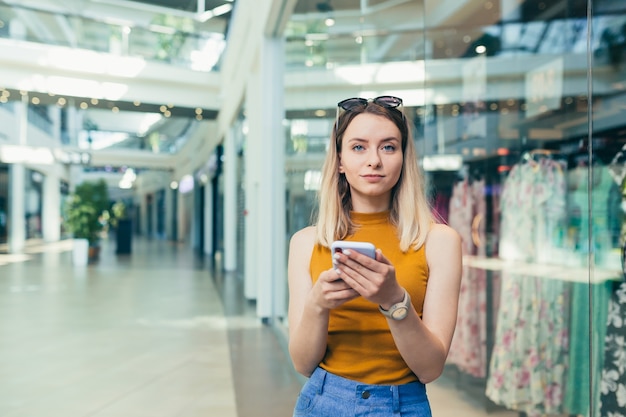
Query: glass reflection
{"points": [[531, 96]]}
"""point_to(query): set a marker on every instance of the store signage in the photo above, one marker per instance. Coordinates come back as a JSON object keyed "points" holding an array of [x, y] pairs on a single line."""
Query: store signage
{"points": [[544, 88]]}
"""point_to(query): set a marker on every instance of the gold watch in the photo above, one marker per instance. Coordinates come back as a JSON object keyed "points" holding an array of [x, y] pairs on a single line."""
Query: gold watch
{"points": [[399, 310]]}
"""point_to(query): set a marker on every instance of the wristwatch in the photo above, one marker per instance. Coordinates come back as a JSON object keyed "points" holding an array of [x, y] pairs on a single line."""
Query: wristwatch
{"points": [[399, 310]]}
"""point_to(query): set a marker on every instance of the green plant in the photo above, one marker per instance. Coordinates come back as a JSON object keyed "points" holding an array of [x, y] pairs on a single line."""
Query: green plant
{"points": [[84, 210], [118, 212]]}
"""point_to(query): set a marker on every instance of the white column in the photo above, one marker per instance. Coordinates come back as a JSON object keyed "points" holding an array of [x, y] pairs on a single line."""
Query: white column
{"points": [[208, 217], [155, 214], [17, 184], [55, 115], [16, 215], [230, 201], [74, 122], [252, 177], [271, 239], [143, 213], [51, 210], [169, 213]]}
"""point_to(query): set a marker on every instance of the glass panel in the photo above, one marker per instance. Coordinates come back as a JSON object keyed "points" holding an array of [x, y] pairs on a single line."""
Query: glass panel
{"points": [[606, 168], [532, 183]]}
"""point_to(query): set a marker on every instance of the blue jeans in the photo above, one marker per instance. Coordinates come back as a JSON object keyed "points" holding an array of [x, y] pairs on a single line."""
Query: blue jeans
{"points": [[329, 395]]}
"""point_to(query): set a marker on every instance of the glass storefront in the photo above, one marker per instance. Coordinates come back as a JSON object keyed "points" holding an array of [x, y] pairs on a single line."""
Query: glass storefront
{"points": [[522, 136]]}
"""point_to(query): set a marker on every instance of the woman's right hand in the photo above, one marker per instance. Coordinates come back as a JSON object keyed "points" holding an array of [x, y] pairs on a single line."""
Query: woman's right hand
{"points": [[330, 291]]}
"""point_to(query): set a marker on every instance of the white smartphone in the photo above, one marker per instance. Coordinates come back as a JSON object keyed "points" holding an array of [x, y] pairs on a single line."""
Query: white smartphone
{"points": [[365, 248]]}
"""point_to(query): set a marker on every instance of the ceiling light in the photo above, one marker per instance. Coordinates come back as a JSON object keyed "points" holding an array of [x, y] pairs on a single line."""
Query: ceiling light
{"points": [[329, 22]]}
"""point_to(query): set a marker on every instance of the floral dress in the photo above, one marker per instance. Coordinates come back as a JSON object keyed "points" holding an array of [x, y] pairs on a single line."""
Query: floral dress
{"points": [[613, 384], [529, 357], [468, 349]]}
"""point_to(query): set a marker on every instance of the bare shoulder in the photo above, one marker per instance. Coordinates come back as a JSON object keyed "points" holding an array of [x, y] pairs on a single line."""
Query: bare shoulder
{"points": [[443, 244], [443, 253], [300, 249], [304, 237], [441, 234], [302, 243]]}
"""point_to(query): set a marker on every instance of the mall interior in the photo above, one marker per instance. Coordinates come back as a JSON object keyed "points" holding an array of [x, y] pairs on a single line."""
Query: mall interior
{"points": [[206, 122]]}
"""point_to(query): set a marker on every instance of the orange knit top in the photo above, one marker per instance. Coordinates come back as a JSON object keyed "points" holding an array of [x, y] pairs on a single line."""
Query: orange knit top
{"points": [[360, 345]]}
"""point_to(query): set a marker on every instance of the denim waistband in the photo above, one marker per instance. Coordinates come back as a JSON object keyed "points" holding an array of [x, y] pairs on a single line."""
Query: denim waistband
{"points": [[393, 395]]}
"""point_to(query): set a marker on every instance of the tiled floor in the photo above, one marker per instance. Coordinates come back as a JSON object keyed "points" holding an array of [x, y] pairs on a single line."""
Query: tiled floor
{"points": [[154, 334]]}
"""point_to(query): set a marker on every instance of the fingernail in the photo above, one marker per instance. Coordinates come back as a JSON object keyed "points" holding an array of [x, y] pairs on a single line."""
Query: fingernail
{"points": [[336, 256], [347, 252]]}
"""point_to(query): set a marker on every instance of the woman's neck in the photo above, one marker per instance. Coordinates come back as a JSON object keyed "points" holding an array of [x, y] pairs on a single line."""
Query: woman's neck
{"points": [[363, 204]]}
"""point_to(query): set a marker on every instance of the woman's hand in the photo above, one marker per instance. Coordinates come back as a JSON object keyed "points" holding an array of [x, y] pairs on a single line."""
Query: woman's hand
{"points": [[330, 291], [374, 279]]}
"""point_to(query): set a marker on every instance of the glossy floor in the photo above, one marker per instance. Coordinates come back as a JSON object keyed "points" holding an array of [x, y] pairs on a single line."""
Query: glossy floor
{"points": [[158, 333]]}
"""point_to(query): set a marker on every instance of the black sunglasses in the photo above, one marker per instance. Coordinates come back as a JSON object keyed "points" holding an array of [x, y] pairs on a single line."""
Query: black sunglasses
{"points": [[389, 102], [351, 104]]}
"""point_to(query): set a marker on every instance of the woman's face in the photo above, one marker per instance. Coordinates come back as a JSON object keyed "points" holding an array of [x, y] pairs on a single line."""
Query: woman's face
{"points": [[371, 159]]}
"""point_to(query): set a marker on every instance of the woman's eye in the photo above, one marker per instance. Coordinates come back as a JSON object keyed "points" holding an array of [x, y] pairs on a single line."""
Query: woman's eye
{"points": [[358, 148], [389, 148]]}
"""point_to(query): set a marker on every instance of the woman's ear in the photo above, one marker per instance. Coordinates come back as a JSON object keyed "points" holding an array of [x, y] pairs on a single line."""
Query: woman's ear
{"points": [[340, 168]]}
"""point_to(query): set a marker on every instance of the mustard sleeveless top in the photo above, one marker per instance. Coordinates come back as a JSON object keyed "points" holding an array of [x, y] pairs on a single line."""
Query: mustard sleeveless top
{"points": [[360, 345]]}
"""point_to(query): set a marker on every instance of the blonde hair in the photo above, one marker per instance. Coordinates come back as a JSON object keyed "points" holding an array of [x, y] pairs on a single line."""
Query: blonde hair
{"points": [[410, 212]]}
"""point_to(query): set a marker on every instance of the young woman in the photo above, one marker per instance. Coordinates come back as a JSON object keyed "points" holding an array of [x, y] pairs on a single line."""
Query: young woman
{"points": [[369, 333]]}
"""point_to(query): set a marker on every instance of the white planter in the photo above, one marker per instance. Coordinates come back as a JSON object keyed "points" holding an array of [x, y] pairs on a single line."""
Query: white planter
{"points": [[80, 252]]}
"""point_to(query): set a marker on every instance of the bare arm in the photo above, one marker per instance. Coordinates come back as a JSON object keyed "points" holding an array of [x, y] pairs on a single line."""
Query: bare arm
{"points": [[309, 305], [424, 343]]}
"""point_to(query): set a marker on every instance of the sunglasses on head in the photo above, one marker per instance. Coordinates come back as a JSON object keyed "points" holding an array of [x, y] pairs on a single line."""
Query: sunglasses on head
{"points": [[350, 104], [389, 102]]}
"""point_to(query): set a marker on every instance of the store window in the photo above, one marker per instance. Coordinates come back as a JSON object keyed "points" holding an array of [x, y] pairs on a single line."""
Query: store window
{"points": [[522, 137]]}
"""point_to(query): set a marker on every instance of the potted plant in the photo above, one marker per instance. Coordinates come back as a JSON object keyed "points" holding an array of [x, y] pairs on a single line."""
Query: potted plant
{"points": [[84, 212]]}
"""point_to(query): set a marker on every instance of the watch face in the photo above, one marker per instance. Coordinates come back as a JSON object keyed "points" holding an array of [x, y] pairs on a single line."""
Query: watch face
{"points": [[399, 313]]}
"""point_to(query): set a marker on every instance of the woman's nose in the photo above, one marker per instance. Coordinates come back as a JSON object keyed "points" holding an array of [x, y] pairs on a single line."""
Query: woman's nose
{"points": [[374, 159]]}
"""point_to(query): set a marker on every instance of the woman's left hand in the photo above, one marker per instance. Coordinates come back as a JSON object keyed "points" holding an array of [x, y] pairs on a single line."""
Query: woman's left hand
{"points": [[374, 279]]}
